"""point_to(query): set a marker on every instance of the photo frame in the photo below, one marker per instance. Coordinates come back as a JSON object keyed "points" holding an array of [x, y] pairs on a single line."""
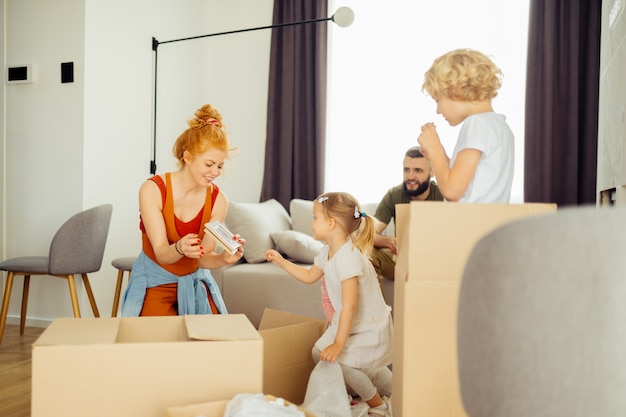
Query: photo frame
{"points": [[222, 236]]}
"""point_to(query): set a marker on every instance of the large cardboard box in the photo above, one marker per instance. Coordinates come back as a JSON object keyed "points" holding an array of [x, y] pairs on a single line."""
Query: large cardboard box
{"points": [[137, 367], [288, 340], [435, 240]]}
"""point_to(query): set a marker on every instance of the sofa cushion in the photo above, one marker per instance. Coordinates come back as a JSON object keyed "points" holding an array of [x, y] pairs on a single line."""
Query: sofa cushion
{"points": [[254, 222], [301, 215], [298, 246]]}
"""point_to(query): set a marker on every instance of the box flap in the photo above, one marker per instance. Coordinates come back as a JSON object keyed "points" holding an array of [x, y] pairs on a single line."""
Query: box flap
{"points": [[79, 331], [289, 345], [275, 318], [220, 327], [288, 339]]}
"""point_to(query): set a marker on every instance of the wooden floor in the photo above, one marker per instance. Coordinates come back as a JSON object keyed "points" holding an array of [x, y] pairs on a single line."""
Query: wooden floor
{"points": [[15, 361]]}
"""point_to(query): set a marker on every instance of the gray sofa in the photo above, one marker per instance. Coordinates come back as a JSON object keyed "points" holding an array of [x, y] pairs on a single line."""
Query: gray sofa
{"points": [[253, 284]]}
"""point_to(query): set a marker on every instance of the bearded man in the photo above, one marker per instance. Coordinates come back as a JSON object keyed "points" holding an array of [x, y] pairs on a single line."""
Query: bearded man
{"points": [[418, 185]]}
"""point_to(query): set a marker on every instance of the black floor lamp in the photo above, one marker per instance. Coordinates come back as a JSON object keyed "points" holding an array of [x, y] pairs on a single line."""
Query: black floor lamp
{"points": [[343, 17]]}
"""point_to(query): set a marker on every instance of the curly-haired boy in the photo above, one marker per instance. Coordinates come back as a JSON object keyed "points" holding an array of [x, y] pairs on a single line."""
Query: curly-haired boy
{"points": [[463, 82]]}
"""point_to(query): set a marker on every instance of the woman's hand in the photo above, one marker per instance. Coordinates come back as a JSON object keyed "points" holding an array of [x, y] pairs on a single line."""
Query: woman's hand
{"points": [[189, 246], [231, 258]]}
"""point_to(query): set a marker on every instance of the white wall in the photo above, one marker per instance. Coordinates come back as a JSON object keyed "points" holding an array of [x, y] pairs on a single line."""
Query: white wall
{"points": [[74, 146], [611, 181], [43, 175], [2, 135]]}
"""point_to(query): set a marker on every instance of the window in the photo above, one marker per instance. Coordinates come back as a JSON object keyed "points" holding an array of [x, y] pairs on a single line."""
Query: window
{"points": [[376, 69]]}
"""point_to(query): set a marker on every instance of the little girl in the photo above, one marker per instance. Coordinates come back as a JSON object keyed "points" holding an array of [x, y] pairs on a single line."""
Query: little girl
{"points": [[361, 330]]}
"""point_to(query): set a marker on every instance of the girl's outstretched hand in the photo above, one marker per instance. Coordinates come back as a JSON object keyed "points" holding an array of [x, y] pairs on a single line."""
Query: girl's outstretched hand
{"points": [[274, 257], [331, 352]]}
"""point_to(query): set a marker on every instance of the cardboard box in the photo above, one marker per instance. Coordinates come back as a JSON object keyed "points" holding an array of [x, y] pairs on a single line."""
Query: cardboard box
{"points": [[138, 367], [288, 340], [435, 240], [213, 409]]}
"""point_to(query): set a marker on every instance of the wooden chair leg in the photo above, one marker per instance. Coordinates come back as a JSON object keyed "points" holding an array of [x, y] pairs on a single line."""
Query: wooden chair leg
{"points": [[73, 295], [118, 290], [92, 300], [24, 303], [5, 303]]}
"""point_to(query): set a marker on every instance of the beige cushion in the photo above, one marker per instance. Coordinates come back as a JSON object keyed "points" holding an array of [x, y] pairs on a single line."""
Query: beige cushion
{"points": [[254, 222], [298, 246], [301, 215]]}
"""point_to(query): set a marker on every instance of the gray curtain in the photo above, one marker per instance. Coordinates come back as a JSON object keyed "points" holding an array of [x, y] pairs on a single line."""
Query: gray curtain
{"points": [[562, 86], [296, 107]]}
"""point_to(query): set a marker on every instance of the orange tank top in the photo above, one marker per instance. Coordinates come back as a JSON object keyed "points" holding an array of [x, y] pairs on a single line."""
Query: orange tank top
{"points": [[175, 228]]}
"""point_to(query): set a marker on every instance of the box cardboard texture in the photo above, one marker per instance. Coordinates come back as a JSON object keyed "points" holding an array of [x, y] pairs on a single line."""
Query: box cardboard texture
{"points": [[435, 240], [139, 366], [214, 409], [209, 409], [288, 340]]}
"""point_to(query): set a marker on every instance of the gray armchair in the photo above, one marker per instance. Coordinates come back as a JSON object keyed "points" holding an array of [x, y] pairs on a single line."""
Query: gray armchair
{"points": [[77, 248], [542, 317]]}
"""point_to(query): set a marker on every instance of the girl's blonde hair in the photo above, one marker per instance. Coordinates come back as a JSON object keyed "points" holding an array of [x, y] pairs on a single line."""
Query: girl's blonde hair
{"points": [[346, 211], [206, 131], [463, 75]]}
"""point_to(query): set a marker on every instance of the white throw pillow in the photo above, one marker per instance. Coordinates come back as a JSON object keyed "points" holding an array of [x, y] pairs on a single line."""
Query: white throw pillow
{"points": [[254, 222], [301, 215], [297, 246]]}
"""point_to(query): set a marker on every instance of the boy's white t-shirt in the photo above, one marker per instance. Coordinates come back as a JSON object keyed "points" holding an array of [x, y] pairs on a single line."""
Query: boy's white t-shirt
{"points": [[490, 134]]}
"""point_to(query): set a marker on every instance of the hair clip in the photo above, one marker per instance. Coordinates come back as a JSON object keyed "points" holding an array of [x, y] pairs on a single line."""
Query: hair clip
{"points": [[322, 199], [358, 213], [209, 121]]}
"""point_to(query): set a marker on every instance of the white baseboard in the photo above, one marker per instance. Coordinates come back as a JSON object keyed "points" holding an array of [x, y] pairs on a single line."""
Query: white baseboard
{"points": [[30, 322]]}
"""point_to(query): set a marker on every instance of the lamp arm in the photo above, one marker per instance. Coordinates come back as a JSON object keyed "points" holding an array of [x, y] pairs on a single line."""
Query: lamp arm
{"points": [[278, 25], [343, 17]]}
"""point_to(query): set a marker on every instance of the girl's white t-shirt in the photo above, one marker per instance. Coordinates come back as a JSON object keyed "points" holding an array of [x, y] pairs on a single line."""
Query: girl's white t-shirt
{"points": [[490, 134], [371, 334]]}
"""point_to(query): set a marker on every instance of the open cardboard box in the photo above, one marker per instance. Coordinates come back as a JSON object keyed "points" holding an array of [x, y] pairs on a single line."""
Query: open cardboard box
{"points": [[287, 362], [435, 240], [137, 367], [288, 340]]}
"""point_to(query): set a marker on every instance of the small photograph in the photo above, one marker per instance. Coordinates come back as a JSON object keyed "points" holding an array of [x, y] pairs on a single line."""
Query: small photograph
{"points": [[222, 235]]}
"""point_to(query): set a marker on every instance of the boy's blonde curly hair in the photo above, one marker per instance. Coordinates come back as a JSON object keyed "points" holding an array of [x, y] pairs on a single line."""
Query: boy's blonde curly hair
{"points": [[463, 75]]}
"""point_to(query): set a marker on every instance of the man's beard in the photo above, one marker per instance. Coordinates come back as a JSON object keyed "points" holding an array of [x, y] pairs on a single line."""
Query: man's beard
{"points": [[419, 191]]}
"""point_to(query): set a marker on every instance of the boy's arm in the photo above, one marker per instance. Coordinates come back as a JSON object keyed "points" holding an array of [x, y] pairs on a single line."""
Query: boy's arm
{"points": [[452, 182]]}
